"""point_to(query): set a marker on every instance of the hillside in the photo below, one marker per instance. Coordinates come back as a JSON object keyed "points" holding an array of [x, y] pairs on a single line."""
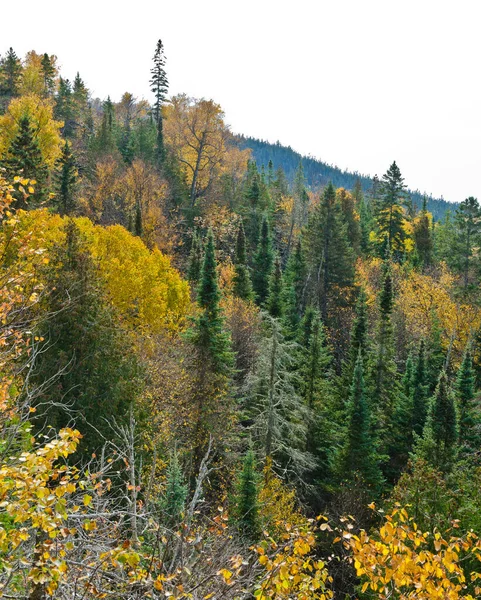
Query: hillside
{"points": [[319, 173]]}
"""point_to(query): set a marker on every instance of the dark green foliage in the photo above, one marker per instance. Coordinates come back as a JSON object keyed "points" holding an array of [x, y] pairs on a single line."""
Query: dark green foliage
{"points": [[242, 287], [408, 377], [274, 304], [159, 85], [64, 107], [10, 74], [104, 141], [173, 501], [329, 255], [419, 391], [389, 214], [65, 180], [358, 455], [246, 509], [263, 262], [359, 333], [48, 73], [469, 422], [88, 362], [423, 238], [294, 286], [195, 259], [463, 258], [24, 158]]}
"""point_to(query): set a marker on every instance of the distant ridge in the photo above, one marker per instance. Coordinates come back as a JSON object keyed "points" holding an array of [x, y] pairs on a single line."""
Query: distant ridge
{"points": [[318, 173]]}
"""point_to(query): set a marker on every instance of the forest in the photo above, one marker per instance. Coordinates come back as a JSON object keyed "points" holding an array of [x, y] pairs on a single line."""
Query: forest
{"points": [[222, 376]]}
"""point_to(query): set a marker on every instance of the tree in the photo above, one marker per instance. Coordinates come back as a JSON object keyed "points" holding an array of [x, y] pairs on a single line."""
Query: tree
{"points": [[329, 255], [64, 107], [467, 221], [104, 141], [351, 218], [423, 237], [242, 287], [358, 455], [469, 437], [245, 501], [294, 286], [66, 179], [10, 74], [159, 85], [275, 304], [419, 391], [49, 72], [175, 494], [390, 215], [24, 157], [263, 261]]}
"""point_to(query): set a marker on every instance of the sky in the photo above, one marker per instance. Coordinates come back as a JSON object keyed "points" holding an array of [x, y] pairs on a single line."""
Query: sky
{"points": [[356, 83]]}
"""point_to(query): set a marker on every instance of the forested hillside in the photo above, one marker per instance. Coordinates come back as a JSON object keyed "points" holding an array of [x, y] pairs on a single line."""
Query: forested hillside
{"points": [[319, 174], [222, 377]]}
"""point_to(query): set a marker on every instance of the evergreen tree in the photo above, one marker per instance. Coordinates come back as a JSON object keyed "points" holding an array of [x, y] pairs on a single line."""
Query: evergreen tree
{"points": [[390, 216], [467, 238], [159, 85], [469, 434], [263, 261], [436, 355], [438, 444], [294, 284], [24, 158], [274, 304], [66, 179], [423, 237], [359, 333], [64, 107], [195, 259], [329, 254], [246, 507], [10, 74], [104, 141], [358, 455], [419, 391], [242, 281], [48, 74], [408, 377], [173, 502]]}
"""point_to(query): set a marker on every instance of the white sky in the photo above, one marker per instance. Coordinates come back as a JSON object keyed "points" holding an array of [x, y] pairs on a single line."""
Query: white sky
{"points": [[357, 83]]}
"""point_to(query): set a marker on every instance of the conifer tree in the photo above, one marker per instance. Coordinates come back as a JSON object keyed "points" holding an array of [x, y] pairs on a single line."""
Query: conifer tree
{"points": [[467, 237], [263, 262], [10, 74], [175, 494], [242, 281], [48, 74], [24, 158], [408, 377], [438, 444], [275, 304], [159, 85], [66, 179], [294, 284], [423, 237], [390, 216], [330, 257], [358, 455], [104, 142], [359, 337], [245, 502], [64, 108], [419, 391], [195, 259], [469, 436]]}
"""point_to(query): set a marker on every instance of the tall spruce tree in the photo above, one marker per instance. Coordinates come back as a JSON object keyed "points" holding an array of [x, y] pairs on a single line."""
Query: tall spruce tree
{"points": [[173, 501], [467, 238], [469, 419], [420, 391], [423, 237], [242, 287], [64, 107], [390, 215], [329, 255], [294, 286], [246, 508], [358, 455], [159, 85], [48, 74], [263, 262], [10, 74], [66, 179], [275, 299]]}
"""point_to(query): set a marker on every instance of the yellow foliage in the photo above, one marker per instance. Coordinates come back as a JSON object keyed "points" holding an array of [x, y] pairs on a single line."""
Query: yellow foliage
{"points": [[41, 116], [32, 77]]}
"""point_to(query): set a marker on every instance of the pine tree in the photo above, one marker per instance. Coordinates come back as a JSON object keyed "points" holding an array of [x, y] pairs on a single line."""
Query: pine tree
{"points": [[408, 377], [64, 107], [173, 501], [359, 333], [469, 436], [66, 179], [195, 259], [419, 391], [242, 281], [330, 257], [104, 141], [358, 455], [275, 304], [438, 444], [390, 216], [10, 74], [263, 262], [159, 85], [245, 502], [423, 237], [24, 158], [294, 284], [48, 74], [467, 237]]}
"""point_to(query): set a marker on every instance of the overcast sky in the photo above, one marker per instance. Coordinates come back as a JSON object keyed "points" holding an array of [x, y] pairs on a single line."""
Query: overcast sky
{"points": [[356, 83]]}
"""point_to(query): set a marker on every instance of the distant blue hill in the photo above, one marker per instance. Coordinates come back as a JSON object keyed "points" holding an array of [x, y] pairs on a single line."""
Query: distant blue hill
{"points": [[318, 173]]}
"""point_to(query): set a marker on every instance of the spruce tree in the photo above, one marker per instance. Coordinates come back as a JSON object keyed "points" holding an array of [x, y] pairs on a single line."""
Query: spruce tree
{"points": [[159, 85], [408, 377], [423, 237], [48, 74], [66, 179], [469, 435], [246, 507], [10, 74], [390, 216], [242, 281], [467, 238], [24, 158], [419, 391], [173, 501], [104, 141], [294, 284], [64, 107], [275, 304], [263, 262], [358, 455]]}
